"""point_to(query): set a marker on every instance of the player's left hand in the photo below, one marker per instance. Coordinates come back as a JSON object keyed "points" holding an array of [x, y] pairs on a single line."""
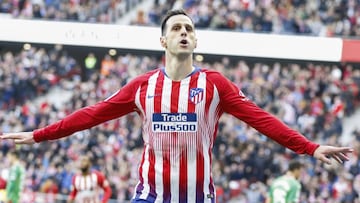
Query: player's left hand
{"points": [[19, 138], [325, 153]]}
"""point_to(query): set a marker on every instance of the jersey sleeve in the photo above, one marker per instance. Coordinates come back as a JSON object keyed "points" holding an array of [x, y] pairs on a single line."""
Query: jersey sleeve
{"points": [[73, 190], [294, 193], [234, 102], [105, 185], [120, 103]]}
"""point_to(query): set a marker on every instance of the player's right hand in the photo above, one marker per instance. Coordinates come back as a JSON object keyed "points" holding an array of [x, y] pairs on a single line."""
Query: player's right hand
{"points": [[325, 153], [19, 138]]}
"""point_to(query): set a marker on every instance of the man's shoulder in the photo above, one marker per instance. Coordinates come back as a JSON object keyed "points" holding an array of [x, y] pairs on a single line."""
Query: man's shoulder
{"points": [[145, 76], [286, 180], [96, 172], [208, 71], [212, 74]]}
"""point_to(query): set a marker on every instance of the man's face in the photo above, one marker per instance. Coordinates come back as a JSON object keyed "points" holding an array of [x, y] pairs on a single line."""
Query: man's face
{"points": [[179, 37], [298, 173], [84, 164]]}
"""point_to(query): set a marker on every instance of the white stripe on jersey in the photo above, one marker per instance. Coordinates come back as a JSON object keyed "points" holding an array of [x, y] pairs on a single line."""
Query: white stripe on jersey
{"points": [[146, 164], [166, 95]]}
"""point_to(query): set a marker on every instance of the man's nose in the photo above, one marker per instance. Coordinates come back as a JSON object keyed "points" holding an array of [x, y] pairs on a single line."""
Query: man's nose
{"points": [[183, 31]]}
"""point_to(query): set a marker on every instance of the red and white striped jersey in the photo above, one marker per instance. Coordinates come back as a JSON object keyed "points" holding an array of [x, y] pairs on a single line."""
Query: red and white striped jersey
{"points": [[87, 188], [180, 120]]}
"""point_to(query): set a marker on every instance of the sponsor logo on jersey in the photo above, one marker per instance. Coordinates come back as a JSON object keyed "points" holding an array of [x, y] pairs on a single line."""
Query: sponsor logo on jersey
{"points": [[174, 122], [196, 95]]}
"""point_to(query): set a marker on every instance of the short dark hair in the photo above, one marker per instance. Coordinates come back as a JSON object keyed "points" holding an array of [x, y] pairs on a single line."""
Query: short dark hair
{"points": [[294, 165], [168, 15]]}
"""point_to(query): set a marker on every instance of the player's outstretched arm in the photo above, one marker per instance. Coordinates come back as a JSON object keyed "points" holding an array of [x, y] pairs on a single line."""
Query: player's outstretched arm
{"points": [[19, 138], [325, 153]]}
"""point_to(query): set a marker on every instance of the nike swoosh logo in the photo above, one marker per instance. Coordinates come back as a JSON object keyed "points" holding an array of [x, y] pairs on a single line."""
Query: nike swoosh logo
{"points": [[152, 96]]}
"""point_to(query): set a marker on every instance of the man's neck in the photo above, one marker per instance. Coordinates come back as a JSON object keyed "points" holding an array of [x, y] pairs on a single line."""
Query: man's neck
{"points": [[178, 68], [290, 174], [85, 173]]}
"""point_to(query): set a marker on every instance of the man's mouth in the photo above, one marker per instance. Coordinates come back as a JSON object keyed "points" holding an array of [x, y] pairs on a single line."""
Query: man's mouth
{"points": [[184, 42]]}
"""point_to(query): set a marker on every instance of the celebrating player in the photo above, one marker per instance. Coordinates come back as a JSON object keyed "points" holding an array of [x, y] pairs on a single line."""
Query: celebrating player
{"points": [[180, 106]]}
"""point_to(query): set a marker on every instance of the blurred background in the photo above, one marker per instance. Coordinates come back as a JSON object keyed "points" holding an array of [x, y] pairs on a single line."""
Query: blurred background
{"points": [[297, 59]]}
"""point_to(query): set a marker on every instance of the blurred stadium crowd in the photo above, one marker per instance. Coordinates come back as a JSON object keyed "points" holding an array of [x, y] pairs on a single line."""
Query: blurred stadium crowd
{"points": [[316, 17], [313, 98]]}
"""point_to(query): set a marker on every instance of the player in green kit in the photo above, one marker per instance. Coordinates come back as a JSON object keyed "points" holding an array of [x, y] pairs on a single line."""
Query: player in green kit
{"points": [[16, 178], [286, 188]]}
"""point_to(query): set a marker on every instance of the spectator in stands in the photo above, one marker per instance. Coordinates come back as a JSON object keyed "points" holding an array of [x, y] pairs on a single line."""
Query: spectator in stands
{"points": [[324, 18], [50, 188], [319, 18], [16, 178], [2, 189], [87, 185], [287, 187], [80, 11], [107, 65], [90, 63]]}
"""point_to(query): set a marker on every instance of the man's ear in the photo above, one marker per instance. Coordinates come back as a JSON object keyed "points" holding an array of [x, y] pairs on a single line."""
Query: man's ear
{"points": [[163, 41], [195, 43]]}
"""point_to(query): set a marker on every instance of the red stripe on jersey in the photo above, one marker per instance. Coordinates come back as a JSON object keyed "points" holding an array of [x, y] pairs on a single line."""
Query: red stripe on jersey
{"points": [[151, 175], [199, 171], [193, 84], [141, 179], [158, 91], [174, 97], [209, 97]]}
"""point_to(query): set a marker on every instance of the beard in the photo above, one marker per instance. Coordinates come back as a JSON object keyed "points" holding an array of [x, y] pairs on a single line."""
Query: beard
{"points": [[84, 170]]}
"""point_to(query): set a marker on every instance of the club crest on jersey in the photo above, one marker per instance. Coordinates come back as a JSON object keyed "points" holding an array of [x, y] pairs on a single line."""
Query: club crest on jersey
{"points": [[174, 122], [196, 95]]}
